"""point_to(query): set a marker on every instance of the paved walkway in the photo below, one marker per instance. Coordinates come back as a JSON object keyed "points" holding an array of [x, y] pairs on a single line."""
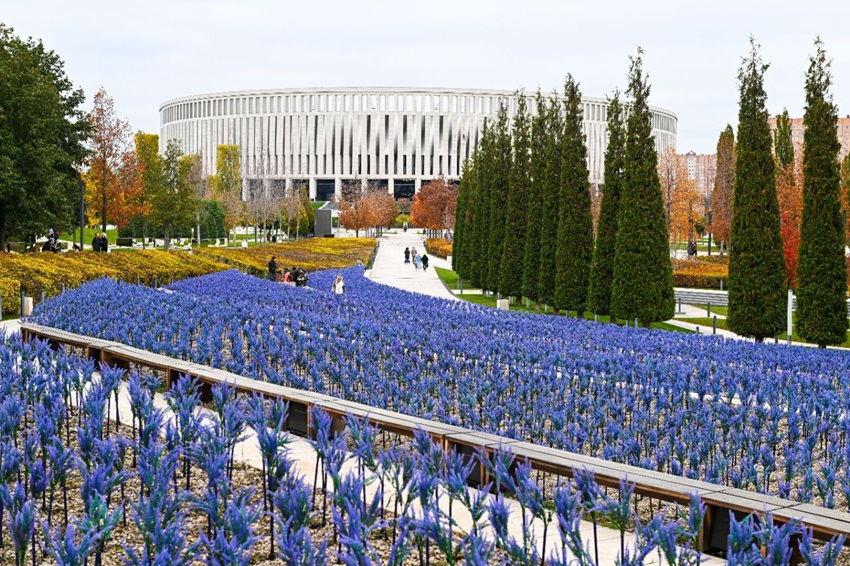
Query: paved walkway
{"points": [[389, 267]]}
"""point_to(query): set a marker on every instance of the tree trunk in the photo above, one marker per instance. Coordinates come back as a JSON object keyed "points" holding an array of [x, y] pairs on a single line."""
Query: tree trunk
{"points": [[103, 211], [198, 226], [145, 234], [167, 235]]}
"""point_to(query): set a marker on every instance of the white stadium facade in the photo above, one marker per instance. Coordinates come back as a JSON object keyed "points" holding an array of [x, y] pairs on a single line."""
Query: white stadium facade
{"points": [[393, 138]]}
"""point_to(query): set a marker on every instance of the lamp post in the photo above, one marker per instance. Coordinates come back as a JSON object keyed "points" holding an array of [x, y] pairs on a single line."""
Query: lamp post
{"points": [[82, 210]]}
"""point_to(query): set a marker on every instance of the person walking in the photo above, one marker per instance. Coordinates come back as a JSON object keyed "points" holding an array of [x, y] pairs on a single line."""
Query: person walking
{"points": [[104, 242], [424, 262], [406, 255], [272, 269]]}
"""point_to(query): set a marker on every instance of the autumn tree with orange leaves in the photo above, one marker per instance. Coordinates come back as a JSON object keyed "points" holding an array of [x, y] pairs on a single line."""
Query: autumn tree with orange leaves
{"points": [[789, 192], [114, 178], [721, 196], [434, 206], [361, 209], [681, 197]]}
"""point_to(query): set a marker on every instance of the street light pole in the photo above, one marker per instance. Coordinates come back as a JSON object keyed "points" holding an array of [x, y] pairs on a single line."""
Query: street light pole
{"points": [[82, 211]]}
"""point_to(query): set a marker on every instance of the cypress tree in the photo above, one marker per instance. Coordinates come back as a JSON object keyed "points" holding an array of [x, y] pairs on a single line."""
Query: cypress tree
{"points": [[513, 248], [551, 203], [464, 218], [499, 189], [724, 181], [477, 249], [602, 268], [575, 223], [782, 144], [535, 195], [643, 274], [756, 260], [822, 267]]}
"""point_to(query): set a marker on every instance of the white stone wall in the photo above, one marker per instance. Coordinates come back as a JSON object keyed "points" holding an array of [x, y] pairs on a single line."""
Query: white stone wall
{"points": [[365, 133]]}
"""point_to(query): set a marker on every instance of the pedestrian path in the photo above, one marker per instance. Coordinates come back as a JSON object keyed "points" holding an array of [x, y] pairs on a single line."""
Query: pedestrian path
{"points": [[389, 268]]}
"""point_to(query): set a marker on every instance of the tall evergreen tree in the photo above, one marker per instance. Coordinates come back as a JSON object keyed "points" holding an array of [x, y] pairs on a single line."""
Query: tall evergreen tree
{"points": [[756, 261], [575, 222], [782, 144], [464, 218], [551, 203], [822, 267], [499, 188], [643, 274], [535, 196], [478, 248], [602, 268], [724, 182], [513, 248]]}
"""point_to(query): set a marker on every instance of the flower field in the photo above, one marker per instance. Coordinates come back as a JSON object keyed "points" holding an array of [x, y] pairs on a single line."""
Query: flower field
{"points": [[309, 254], [693, 406], [165, 490]]}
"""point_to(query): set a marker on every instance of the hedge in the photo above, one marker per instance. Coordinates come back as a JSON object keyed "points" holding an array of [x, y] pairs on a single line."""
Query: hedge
{"points": [[33, 272], [704, 273], [439, 247]]}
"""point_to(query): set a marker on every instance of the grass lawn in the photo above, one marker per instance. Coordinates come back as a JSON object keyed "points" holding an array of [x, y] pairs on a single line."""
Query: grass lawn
{"points": [[715, 309], [318, 204], [89, 234], [450, 278], [721, 323]]}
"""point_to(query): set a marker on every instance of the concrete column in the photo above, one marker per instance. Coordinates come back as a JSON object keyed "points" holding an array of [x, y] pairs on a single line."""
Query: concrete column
{"points": [[418, 184], [312, 188], [391, 186], [337, 187]]}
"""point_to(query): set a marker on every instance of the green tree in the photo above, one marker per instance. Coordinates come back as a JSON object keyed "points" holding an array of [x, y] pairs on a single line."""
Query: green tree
{"points": [[643, 275], [227, 187], [575, 220], [513, 249], [822, 267], [484, 160], [173, 203], [845, 194], [602, 268], [534, 199], [42, 134], [308, 221], [499, 189], [147, 154], [464, 221], [756, 260], [783, 146], [551, 203]]}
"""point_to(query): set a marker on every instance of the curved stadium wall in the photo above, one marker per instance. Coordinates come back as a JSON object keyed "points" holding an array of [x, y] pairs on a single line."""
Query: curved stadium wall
{"points": [[395, 138]]}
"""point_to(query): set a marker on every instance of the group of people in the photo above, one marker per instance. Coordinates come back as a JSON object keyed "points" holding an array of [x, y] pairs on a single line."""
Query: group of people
{"points": [[419, 260], [293, 276], [100, 243], [52, 243]]}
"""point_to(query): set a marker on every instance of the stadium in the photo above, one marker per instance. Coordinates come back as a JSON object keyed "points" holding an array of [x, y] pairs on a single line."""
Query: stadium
{"points": [[393, 138]]}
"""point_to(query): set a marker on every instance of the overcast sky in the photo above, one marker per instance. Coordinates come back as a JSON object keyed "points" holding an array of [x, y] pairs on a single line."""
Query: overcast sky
{"points": [[145, 53]]}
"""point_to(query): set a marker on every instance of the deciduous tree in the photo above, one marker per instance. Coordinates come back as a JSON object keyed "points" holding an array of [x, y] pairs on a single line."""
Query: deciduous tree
{"points": [[42, 134], [681, 197], [756, 262], [721, 197], [575, 223], [227, 187], [822, 269], [602, 268], [173, 203], [643, 275], [111, 151], [150, 164], [434, 206]]}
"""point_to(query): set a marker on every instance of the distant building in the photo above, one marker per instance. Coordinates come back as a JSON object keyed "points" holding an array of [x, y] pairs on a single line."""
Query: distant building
{"points": [[797, 130], [702, 169], [395, 138]]}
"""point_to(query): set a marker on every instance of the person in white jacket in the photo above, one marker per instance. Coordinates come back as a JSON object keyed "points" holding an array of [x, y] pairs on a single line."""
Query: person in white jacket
{"points": [[339, 285]]}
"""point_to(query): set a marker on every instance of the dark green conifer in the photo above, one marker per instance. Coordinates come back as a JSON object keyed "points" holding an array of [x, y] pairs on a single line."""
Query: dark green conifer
{"points": [[575, 223], [480, 235], [602, 268], [782, 144], [535, 196], [822, 267], [551, 204], [513, 248], [757, 299], [464, 218], [643, 275], [498, 189]]}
